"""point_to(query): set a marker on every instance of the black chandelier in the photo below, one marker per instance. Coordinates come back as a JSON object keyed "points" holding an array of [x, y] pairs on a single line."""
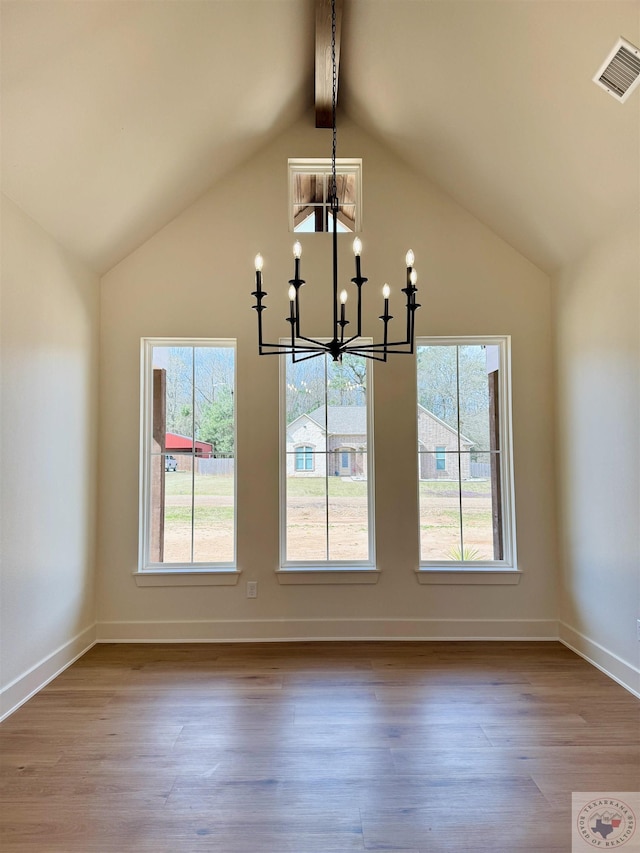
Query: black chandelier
{"points": [[300, 347]]}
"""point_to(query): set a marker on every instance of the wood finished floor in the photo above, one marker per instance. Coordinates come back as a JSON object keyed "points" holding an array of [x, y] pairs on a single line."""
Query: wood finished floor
{"points": [[314, 748]]}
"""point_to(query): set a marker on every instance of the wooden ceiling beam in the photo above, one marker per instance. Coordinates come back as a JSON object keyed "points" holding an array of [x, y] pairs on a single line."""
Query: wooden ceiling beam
{"points": [[324, 67]]}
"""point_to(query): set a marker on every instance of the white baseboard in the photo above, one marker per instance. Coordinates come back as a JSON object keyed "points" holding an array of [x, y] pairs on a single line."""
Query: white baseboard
{"points": [[18, 691], [627, 675], [15, 694], [282, 630]]}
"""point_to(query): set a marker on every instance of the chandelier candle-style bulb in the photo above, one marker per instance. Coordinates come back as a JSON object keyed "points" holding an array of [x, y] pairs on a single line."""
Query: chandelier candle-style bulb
{"points": [[297, 253], [292, 303], [409, 259], [343, 302], [386, 290], [357, 249], [259, 263]]}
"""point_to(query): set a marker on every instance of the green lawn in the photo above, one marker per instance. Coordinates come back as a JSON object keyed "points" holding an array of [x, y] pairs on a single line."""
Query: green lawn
{"points": [[314, 487], [179, 483], [204, 515]]}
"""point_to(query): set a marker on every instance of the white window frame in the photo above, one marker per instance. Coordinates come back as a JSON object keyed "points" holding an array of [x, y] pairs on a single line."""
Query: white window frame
{"points": [[174, 574], [326, 571], [322, 166], [503, 571]]}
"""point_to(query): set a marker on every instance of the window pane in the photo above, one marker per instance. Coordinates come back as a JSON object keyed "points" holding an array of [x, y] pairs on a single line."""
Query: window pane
{"points": [[175, 364], [440, 527], [346, 399], [178, 515], [308, 188], [306, 512], [461, 462], [214, 402], [346, 218], [481, 511], [346, 188], [476, 363], [190, 480], [327, 502], [308, 218], [305, 395], [213, 514], [437, 397], [348, 515]]}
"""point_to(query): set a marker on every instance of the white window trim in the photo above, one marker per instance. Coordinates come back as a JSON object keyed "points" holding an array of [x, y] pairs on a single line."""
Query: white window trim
{"points": [[503, 571], [322, 165], [175, 574], [330, 571]]}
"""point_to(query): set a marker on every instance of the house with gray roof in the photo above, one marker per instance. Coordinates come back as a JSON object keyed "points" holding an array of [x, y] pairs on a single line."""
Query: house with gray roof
{"points": [[330, 439], [333, 440]]}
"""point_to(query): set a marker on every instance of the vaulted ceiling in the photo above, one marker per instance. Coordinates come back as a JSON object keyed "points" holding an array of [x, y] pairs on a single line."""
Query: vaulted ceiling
{"points": [[117, 114]]}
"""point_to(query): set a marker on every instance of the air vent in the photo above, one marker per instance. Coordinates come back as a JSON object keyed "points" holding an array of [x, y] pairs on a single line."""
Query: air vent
{"points": [[620, 72]]}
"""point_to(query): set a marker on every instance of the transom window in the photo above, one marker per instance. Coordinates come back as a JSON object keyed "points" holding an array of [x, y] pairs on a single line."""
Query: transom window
{"points": [[327, 499], [187, 504], [464, 453], [309, 189]]}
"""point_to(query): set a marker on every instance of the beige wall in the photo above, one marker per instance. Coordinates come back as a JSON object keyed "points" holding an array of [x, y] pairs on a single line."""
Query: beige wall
{"points": [[194, 279], [597, 308], [48, 455]]}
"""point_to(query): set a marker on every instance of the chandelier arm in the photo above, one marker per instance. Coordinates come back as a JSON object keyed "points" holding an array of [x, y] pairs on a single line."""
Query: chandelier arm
{"points": [[288, 348], [381, 346], [285, 349], [295, 359], [292, 320], [408, 308], [297, 314], [352, 338]]}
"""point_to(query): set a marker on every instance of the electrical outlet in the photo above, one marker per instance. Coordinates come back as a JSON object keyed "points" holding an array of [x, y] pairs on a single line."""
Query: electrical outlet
{"points": [[252, 589]]}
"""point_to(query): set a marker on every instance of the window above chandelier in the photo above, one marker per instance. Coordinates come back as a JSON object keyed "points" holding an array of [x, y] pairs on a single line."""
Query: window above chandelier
{"points": [[310, 190]]}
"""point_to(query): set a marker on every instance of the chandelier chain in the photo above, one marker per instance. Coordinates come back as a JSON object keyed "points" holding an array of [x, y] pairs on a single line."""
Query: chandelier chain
{"points": [[334, 96]]}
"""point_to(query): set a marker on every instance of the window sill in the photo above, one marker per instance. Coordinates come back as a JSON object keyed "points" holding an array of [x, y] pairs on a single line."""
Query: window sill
{"points": [[182, 577], [314, 575], [437, 575]]}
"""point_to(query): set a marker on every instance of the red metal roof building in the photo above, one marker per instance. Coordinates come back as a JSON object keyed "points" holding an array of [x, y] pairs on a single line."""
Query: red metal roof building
{"points": [[181, 443]]}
